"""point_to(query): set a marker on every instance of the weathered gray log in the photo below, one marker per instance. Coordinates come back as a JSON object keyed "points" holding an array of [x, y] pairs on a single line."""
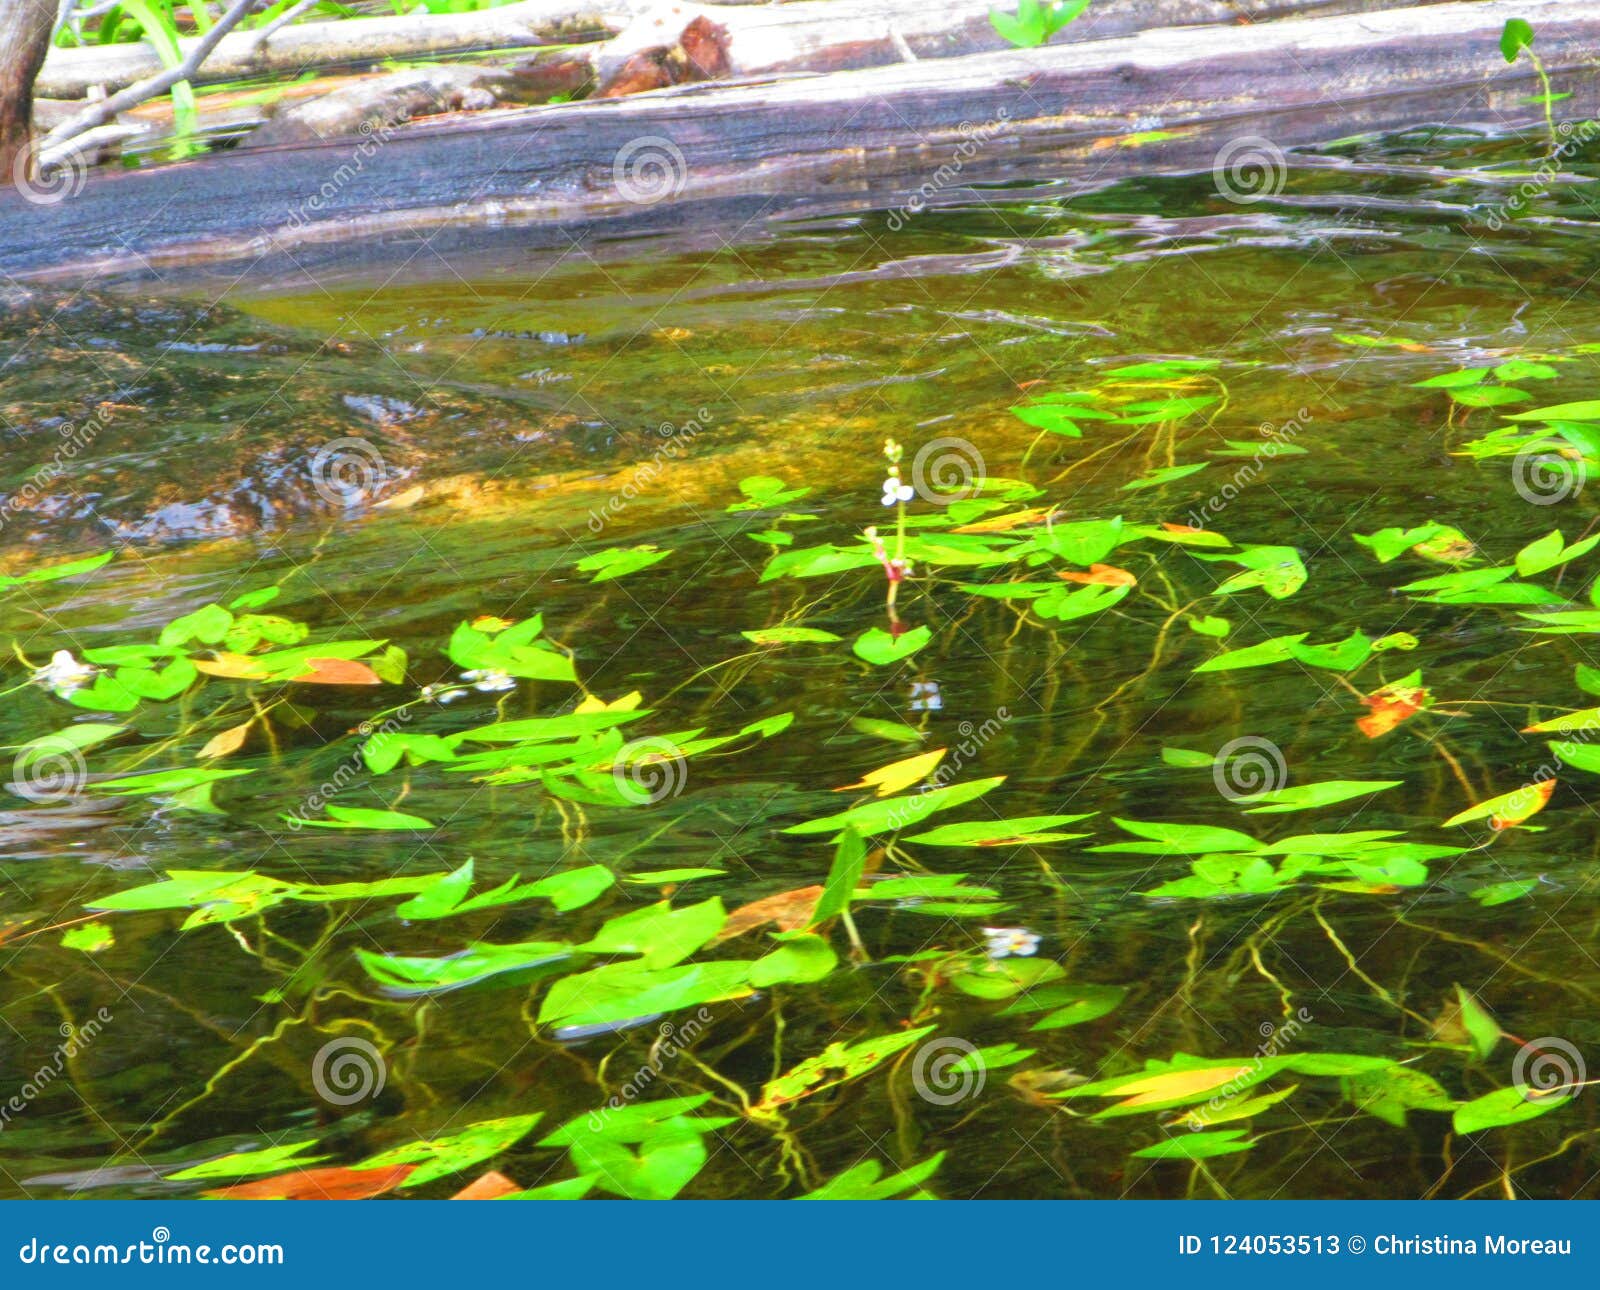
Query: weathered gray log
{"points": [[374, 103], [859, 33], [893, 138]]}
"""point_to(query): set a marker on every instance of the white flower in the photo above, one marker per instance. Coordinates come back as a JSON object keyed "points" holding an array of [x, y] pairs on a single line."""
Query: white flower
{"points": [[925, 696], [490, 680], [894, 491], [1003, 942], [64, 674]]}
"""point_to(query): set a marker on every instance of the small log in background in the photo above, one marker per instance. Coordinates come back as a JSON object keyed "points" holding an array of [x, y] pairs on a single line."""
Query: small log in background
{"points": [[723, 158]]}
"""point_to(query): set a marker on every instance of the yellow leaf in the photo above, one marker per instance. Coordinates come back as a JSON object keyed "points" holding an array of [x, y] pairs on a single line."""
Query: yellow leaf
{"points": [[236, 667], [1171, 1086], [897, 775], [1509, 809], [1011, 520], [594, 703], [227, 741]]}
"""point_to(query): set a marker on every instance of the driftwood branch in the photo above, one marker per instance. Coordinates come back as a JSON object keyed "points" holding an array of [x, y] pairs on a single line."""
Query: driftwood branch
{"points": [[860, 33], [74, 73], [106, 109], [720, 159]]}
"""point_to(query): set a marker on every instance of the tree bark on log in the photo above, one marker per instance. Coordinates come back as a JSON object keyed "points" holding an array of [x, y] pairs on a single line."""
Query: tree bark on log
{"points": [[25, 27], [724, 158]]}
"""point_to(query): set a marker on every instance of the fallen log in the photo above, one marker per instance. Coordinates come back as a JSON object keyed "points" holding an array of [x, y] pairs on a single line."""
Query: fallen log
{"points": [[773, 37], [376, 102], [896, 138]]}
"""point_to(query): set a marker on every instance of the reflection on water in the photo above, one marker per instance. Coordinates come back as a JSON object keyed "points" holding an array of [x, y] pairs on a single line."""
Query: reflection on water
{"points": [[409, 452]]}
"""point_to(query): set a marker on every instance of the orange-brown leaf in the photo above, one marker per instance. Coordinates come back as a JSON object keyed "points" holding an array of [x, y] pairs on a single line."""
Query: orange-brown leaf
{"points": [[336, 671], [489, 1187], [1390, 706], [790, 910], [1099, 575], [331, 1183]]}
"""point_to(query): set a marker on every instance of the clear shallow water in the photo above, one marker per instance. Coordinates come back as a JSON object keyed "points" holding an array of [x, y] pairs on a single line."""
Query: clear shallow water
{"points": [[406, 453]]}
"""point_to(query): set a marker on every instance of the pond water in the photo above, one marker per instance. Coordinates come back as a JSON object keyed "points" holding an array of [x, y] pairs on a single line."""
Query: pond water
{"points": [[1372, 1003]]}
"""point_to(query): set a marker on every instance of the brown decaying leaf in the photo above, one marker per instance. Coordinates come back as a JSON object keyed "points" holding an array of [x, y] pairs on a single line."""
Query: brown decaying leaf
{"points": [[1390, 706], [790, 910], [331, 1183], [318, 671], [1099, 575], [336, 671], [491, 1185]]}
